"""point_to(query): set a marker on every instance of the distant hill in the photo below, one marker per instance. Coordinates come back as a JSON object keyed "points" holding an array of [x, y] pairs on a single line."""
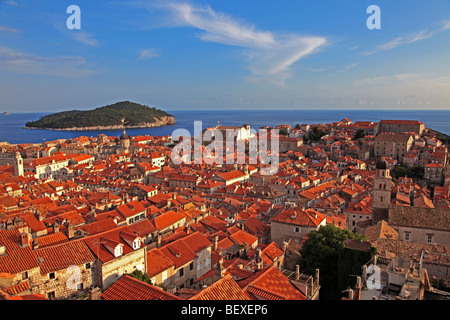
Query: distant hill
{"points": [[104, 118]]}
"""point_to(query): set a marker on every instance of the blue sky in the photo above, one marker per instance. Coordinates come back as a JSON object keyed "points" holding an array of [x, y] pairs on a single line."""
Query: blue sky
{"points": [[218, 54]]}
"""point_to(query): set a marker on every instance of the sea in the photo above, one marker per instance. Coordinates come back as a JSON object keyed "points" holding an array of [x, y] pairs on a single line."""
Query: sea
{"points": [[12, 126]]}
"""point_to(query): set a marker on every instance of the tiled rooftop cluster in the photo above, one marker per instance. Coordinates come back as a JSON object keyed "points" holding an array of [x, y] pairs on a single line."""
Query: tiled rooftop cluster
{"points": [[88, 213]]}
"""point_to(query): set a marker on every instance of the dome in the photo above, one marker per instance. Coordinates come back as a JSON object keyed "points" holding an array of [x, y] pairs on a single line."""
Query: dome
{"points": [[382, 164], [73, 162], [124, 136]]}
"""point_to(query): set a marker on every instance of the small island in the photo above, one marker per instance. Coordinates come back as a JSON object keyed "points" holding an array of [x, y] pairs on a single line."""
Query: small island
{"points": [[109, 117]]}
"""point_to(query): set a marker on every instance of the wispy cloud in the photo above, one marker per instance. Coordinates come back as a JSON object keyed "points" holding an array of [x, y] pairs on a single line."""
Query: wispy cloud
{"points": [[149, 53], [8, 30], [407, 39], [62, 66], [85, 38], [270, 55], [349, 66], [14, 3]]}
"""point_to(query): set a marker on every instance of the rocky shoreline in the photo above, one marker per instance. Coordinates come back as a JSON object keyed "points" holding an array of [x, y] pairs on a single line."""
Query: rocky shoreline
{"points": [[163, 121]]}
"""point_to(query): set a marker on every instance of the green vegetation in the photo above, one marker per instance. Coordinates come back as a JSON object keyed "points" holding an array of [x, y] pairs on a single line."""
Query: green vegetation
{"points": [[324, 250], [315, 134], [110, 115], [144, 277], [284, 132], [359, 134], [402, 171]]}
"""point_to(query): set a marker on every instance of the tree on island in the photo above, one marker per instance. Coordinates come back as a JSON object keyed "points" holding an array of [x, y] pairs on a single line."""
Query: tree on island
{"points": [[324, 250]]}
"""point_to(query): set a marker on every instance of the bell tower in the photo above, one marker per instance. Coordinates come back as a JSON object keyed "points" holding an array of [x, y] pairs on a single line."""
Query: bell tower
{"points": [[382, 186], [18, 164]]}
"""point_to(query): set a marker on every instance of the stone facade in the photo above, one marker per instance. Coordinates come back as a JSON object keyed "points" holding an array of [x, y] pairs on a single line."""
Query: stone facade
{"points": [[108, 273]]}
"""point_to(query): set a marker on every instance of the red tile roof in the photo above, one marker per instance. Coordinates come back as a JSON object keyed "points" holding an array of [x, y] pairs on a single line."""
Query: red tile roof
{"points": [[129, 288], [16, 259], [167, 219], [308, 218], [272, 284], [99, 243], [157, 262], [62, 256], [223, 289]]}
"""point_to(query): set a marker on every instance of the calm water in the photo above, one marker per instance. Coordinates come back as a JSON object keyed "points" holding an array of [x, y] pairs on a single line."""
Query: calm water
{"points": [[11, 126]]}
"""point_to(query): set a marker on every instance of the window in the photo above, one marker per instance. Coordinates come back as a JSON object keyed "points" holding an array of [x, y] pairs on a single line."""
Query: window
{"points": [[25, 275], [87, 265], [191, 266], [51, 295], [297, 229], [136, 244], [80, 286], [51, 275], [406, 236], [118, 251], [181, 272], [430, 238]]}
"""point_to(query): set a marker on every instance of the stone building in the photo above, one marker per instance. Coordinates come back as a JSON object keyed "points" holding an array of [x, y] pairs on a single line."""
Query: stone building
{"points": [[295, 223], [116, 252], [65, 270], [393, 145], [400, 126], [422, 225], [179, 263]]}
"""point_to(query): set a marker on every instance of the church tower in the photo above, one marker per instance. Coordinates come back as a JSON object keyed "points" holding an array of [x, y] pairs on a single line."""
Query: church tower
{"points": [[382, 185], [18, 164]]}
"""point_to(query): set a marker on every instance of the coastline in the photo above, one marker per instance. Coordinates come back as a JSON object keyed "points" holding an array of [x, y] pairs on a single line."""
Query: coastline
{"points": [[165, 121]]}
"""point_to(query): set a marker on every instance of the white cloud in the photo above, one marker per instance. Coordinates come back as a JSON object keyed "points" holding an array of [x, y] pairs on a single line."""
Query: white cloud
{"points": [[85, 38], [271, 55], [62, 66], [9, 30], [407, 39], [149, 53]]}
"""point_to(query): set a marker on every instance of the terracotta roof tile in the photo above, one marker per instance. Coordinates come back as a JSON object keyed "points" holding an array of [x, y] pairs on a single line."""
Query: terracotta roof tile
{"points": [[129, 288], [60, 257], [272, 284], [224, 289]]}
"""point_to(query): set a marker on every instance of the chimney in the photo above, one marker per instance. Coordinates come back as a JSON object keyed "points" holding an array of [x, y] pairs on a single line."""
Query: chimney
{"points": [[55, 227], [259, 262], [158, 240], [70, 231], [220, 270], [358, 288], [171, 288], [317, 277], [297, 272], [216, 241], [350, 294], [35, 244], [24, 240], [2, 250], [40, 217], [95, 294]]}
